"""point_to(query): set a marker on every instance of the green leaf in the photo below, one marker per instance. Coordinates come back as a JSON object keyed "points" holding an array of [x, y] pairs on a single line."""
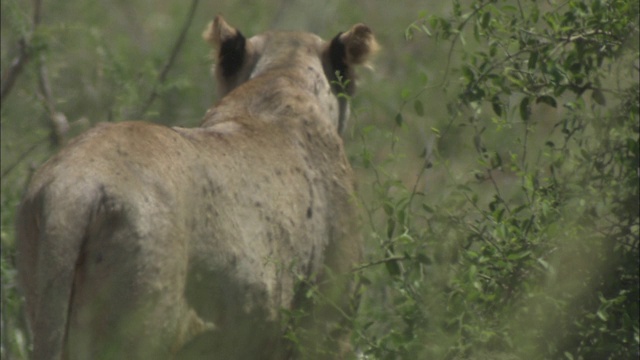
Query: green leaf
{"points": [[486, 19], [493, 49], [423, 259], [457, 10], [405, 94], [426, 30], [434, 22], [388, 208], [520, 255], [496, 105], [402, 213], [392, 267], [391, 227], [544, 264], [598, 97], [476, 32], [535, 14], [399, 119], [546, 99], [525, 109], [602, 315], [473, 270], [364, 280], [427, 208], [408, 32], [417, 105], [533, 60], [496, 160], [424, 78], [468, 74]]}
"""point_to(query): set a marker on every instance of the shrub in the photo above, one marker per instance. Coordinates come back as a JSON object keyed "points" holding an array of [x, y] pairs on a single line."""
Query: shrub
{"points": [[528, 250]]}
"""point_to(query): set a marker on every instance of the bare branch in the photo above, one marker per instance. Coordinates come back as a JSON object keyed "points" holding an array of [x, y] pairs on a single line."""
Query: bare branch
{"points": [[11, 74], [37, 12], [57, 120], [172, 57], [378, 262], [22, 156], [17, 64]]}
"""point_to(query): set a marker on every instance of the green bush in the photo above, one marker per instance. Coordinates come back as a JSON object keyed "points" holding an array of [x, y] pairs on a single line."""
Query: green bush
{"points": [[530, 248]]}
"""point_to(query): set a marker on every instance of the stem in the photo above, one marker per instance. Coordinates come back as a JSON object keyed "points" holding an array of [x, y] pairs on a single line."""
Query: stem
{"points": [[172, 57]]}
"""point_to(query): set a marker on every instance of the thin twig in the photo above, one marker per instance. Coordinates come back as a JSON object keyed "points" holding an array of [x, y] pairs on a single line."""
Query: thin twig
{"points": [[22, 156], [429, 142], [455, 41], [11, 74], [37, 12], [57, 120], [172, 57], [378, 262], [17, 64]]}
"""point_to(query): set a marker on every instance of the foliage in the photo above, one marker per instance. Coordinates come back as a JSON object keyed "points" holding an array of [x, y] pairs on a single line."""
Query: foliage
{"points": [[532, 251]]}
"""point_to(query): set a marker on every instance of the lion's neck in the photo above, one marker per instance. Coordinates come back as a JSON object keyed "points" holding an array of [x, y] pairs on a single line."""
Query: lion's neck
{"points": [[279, 95]]}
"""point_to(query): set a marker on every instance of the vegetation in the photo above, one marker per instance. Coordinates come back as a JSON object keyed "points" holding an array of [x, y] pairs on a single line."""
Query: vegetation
{"points": [[496, 145], [531, 251]]}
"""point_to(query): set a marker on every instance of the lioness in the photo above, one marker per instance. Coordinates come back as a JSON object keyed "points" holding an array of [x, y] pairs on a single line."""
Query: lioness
{"points": [[139, 241]]}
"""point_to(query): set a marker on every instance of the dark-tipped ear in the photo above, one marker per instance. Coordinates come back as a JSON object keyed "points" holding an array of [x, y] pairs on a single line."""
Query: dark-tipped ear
{"points": [[359, 44], [229, 42], [354, 47]]}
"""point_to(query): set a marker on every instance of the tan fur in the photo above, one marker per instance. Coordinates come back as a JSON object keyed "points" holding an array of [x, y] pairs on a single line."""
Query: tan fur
{"points": [[139, 241]]}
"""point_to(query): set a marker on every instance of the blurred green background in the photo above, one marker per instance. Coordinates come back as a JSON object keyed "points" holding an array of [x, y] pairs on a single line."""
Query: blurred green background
{"points": [[495, 143]]}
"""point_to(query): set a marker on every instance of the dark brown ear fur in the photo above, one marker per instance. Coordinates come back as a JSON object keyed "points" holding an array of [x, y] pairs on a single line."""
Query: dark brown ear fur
{"points": [[339, 72], [231, 52], [346, 50]]}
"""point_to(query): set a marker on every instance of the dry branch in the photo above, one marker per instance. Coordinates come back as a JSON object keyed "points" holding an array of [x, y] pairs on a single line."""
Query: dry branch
{"points": [[172, 57], [17, 64], [21, 158], [57, 120], [378, 262], [11, 74]]}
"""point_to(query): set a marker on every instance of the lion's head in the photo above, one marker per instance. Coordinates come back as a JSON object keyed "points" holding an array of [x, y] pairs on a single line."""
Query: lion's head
{"points": [[325, 67]]}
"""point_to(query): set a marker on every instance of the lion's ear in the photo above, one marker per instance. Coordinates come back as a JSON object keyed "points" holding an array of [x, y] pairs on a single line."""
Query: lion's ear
{"points": [[359, 44], [229, 42], [344, 52]]}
